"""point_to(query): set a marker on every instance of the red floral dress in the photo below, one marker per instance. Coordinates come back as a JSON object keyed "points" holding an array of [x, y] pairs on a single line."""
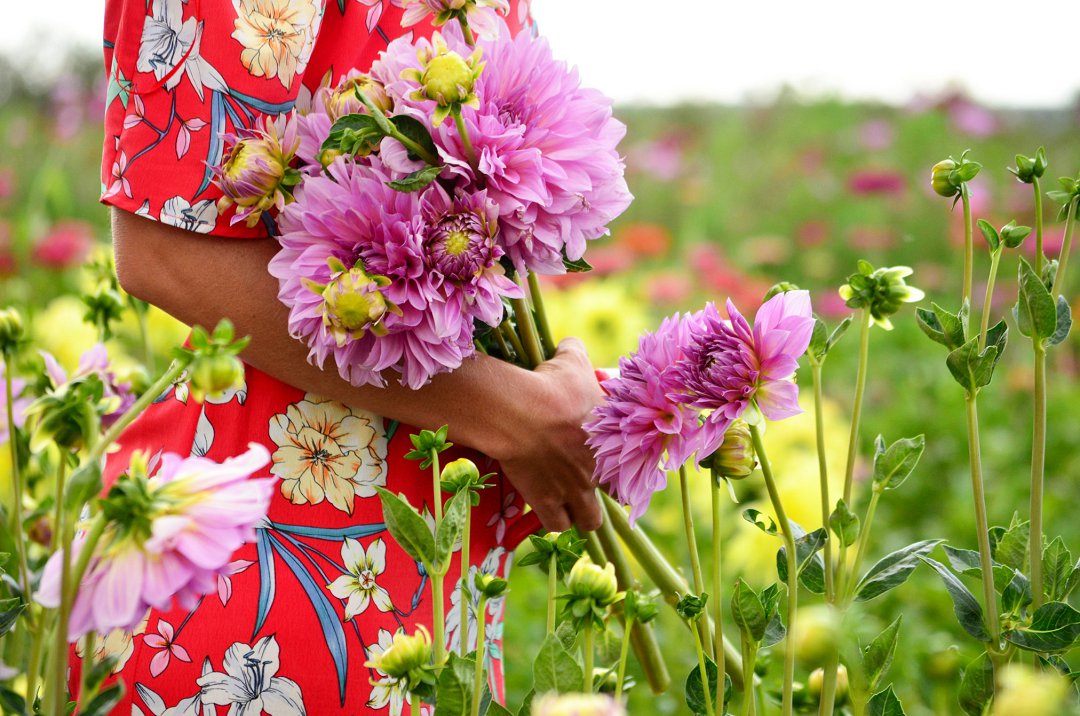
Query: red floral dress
{"points": [[324, 587]]}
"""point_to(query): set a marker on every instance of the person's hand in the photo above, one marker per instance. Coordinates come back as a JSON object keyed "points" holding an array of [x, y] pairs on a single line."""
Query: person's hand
{"points": [[548, 462]]}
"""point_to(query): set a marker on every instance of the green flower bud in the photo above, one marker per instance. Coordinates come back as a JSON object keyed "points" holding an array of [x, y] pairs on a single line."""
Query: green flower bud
{"points": [[691, 606], [882, 291], [344, 100], [490, 586], [817, 679], [461, 474], [11, 331], [446, 77], [943, 665], [948, 176], [70, 415], [735, 458], [405, 656], [104, 307], [639, 607], [215, 374], [590, 581], [427, 442], [782, 287], [818, 633], [1028, 169]]}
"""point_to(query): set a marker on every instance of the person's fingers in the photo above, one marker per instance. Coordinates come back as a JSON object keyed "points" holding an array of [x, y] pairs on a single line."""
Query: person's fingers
{"points": [[585, 512], [555, 518]]}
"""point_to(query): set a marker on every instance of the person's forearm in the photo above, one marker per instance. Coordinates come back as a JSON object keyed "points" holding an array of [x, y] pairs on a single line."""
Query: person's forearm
{"points": [[202, 279]]}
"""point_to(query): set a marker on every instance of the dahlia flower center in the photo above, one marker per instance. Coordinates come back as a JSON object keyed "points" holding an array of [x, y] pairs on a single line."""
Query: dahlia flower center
{"points": [[459, 247]]}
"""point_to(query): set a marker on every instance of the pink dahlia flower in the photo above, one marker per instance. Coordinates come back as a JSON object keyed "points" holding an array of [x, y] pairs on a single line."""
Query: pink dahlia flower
{"points": [[169, 536], [640, 431], [420, 267], [731, 366], [482, 16], [545, 146], [255, 176]]}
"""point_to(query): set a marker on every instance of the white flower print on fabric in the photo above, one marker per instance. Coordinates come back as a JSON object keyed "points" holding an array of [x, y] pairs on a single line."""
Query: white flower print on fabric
{"points": [[249, 683], [385, 690], [117, 643], [191, 706], [204, 436], [490, 565], [200, 218], [168, 40], [359, 585]]}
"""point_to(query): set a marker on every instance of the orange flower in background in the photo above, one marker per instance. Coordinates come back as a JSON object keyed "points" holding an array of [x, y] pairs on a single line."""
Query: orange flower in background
{"points": [[645, 239]]}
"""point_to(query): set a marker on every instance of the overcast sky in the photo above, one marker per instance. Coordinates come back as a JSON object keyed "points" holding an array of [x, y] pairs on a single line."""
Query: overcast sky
{"points": [[1005, 52]]}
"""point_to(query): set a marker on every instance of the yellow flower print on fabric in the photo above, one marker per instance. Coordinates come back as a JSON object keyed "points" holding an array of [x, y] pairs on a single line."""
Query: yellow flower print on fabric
{"points": [[326, 451], [277, 35]]}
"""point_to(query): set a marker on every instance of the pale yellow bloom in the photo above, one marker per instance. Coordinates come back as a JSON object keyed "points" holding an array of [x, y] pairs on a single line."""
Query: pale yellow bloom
{"points": [[277, 36], [327, 451], [117, 643], [606, 316], [1026, 692]]}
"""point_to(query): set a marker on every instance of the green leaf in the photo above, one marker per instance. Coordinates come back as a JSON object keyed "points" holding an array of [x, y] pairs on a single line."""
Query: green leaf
{"points": [[408, 528], [1064, 322], [451, 529], [1057, 564], [1036, 312], [352, 134], [971, 368], [577, 265], [693, 693], [892, 570], [762, 521], [12, 608], [894, 464], [819, 340], [1055, 626], [885, 703], [877, 656], [948, 329], [811, 566], [104, 703], [453, 691], [838, 332], [526, 703], [977, 686], [12, 702], [968, 563], [1016, 594], [844, 524], [967, 609], [990, 234], [83, 485], [555, 670], [1012, 547], [415, 130], [748, 612], [416, 181], [497, 709]]}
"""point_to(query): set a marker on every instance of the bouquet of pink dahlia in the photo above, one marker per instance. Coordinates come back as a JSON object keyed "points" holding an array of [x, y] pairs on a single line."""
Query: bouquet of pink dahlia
{"points": [[431, 192]]}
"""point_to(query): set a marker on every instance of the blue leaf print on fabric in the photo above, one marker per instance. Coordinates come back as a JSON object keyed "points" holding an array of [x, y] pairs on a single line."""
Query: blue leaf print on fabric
{"points": [[267, 580]]}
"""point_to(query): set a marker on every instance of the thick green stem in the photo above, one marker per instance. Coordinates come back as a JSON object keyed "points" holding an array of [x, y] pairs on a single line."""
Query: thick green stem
{"points": [[969, 244], [856, 408], [542, 323], [58, 661], [587, 656], [823, 476], [390, 130], [1039, 258], [140, 311], [792, 569], [466, 31], [481, 649], [860, 547], [17, 531], [97, 528], [984, 319], [718, 602], [553, 588], [986, 563], [527, 328], [1038, 467], [436, 497], [691, 537], [466, 142], [1066, 248], [702, 671], [37, 651], [463, 601], [827, 705], [624, 652], [414, 705], [438, 578], [507, 332], [748, 659]]}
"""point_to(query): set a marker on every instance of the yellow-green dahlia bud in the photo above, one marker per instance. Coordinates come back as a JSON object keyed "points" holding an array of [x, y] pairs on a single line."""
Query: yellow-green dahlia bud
{"points": [[446, 77], [882, 291], [577, 705], [817, 679], [818, 633], [591, 581], [490, 586], [214, 375], [353, 302], [405, 655], [735, 458], [461, 474], [11, 330], [939, 178], [343, 100]]}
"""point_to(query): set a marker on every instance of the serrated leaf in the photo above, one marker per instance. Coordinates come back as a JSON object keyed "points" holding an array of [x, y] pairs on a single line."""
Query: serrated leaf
{"points": [[1064, 322], [555, 670], [1055, 627], [747, 611], [844, 524], [1011, 549], [692, 691], [893, 465], [417, 181], [877, 656], [762, 521], [885, 703], [408, 528], [967, 609], [892, 570], [977, 686], [1057, 565]]}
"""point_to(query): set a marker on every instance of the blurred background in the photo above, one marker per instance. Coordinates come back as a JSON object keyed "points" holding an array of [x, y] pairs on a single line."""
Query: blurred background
{"points": [[766, 142]]}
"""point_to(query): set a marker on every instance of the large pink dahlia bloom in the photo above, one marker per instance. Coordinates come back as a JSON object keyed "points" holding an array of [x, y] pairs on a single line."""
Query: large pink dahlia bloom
{"points": [[545, 146], [640, 431], [731, 366], [169, 536]]}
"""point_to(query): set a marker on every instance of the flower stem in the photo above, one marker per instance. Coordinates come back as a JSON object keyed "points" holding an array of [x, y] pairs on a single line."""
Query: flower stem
{"points": [[1038, 467], [1066, 248], [438, 608], [969, 244], [390, 130], [140, 311], [691, 537], [463, 602], [58, 661], [149, 396], [481, 648], [508, 332], [856, 408], [527, 329], [466, 141], [860, 548], [986, 564], [748, 659], [541, 315], [823, 476], [17, 487], [624, 652], [466, 31], [553, 587], [703, 672], [436, 497], [718, 602], [97, 528], [587, 656], [37, 651], [984, 319], [792, 568], [414, 705], [1039, 258]]}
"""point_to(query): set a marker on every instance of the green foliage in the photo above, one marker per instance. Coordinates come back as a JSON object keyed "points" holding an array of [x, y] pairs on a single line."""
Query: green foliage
{"points": [[968, 611], [693, 693], [892, 570], [885, 703], [844, 524], [555, 669], [877, 656], [893, 465], [408, 528], [1054, 628], [977, 686]]}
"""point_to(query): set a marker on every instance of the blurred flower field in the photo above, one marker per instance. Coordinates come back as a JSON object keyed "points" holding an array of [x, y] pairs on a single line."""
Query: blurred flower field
{"points": [[729, 200]]}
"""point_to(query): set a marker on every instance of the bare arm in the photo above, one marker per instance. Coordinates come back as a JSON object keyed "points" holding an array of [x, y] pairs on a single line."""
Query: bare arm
{"points": [[528, 420]]}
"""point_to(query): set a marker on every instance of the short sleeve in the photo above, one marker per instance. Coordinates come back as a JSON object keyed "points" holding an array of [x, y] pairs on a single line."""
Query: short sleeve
{"points": [[185, 74]]}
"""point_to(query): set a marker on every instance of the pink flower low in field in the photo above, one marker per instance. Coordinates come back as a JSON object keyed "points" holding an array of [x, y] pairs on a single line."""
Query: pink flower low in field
{"points": [[169, 536], [65, 245]]}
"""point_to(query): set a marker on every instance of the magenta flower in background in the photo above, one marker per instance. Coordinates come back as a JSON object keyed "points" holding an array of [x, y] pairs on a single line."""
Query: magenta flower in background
{"points": [[640, 431], [95, 361], [18, 405], [877, 181], [193, 513], [731, 367], [65, 245]]}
